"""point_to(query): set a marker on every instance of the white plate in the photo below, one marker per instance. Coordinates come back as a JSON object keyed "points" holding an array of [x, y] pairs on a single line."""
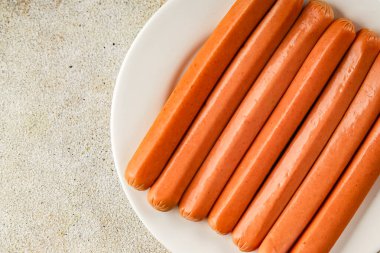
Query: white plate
{"points": [[151, 68]]}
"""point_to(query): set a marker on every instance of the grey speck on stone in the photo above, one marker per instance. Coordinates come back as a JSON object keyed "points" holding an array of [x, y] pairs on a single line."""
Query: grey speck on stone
{"points": [[59, 190]]}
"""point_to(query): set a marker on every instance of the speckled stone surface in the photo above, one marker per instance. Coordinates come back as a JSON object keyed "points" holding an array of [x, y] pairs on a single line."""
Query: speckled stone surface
{"points": [[59, 190]]}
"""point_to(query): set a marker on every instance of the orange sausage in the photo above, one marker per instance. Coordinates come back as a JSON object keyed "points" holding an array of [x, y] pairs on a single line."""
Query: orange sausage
{"points": [[281, 125], [307, 144], [192, 90], [237, 136], [246, 66], [345, 199], [350, 132]]}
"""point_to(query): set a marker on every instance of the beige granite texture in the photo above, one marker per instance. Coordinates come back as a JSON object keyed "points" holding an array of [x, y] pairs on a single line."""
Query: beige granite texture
{"points": [[59, 190]]}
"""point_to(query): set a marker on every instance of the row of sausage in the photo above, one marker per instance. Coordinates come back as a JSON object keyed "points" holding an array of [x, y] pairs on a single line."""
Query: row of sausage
{"points": [[263, 123]]}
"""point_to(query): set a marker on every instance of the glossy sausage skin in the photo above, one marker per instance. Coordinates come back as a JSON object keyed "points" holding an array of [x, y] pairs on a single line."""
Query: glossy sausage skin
{"points": [[208, 183], [242, 72], [281, 125], [345, 199], [307, 144], [192, 90], [341, 147]]}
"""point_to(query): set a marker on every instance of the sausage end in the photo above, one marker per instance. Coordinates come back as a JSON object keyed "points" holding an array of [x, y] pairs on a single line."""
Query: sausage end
{"points": [[242, 244], [346, 24], [322, 7], [159, 204], [132, 181], [244, 239], [213, 223], [189, 215], [369, 36]]}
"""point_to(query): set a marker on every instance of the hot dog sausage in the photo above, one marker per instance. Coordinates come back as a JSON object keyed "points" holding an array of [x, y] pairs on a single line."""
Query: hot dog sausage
{"points": [[192, 90], [246, 66], [350, 132], [345, 199], [307, 144], [238, 134], [281, 125]]}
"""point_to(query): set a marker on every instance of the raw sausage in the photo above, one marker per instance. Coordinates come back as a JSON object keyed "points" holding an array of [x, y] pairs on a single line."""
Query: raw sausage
{"points": [[307, 144], [192, 90], [341, 147], [281, 125], [345, 199], [238, 135], [246, 66]]}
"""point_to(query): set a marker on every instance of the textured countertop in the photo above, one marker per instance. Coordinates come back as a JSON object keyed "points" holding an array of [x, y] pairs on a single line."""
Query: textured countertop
{"points": [[59, 190]]}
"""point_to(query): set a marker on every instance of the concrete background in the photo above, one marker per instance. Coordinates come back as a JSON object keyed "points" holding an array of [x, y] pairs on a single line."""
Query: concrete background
{"points": [[59, 190]]}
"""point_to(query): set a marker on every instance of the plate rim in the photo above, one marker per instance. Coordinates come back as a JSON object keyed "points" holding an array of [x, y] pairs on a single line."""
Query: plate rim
{"points": [[118, 84]]}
